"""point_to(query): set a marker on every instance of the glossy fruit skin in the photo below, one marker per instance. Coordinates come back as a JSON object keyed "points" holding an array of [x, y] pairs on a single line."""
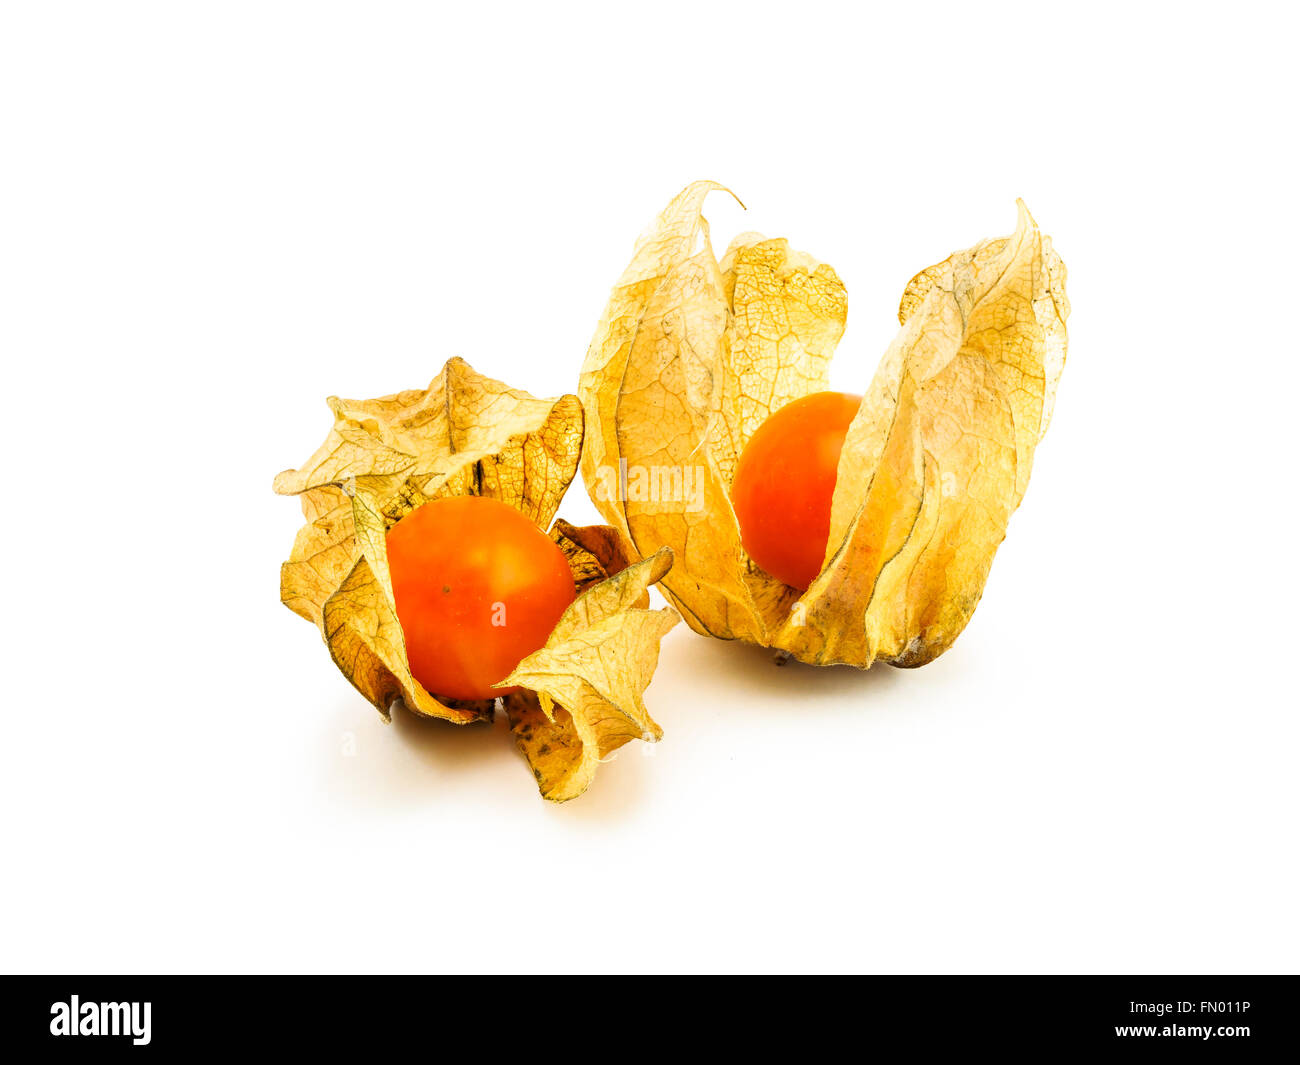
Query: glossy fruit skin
{"points": [[478, 587], [784, 483]]}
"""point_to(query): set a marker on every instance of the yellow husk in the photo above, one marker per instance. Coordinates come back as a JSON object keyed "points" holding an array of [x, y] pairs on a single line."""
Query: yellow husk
{"points": [[468, 434], [692, 355]]}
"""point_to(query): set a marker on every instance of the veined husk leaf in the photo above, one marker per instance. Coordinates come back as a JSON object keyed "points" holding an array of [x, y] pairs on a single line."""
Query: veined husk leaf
{"points": [[469, 434], [581, 702], [692, 355]]}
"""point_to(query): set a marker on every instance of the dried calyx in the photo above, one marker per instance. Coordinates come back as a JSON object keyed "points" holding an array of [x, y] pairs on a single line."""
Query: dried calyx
{"points": [[467, 434], [693, 354]]}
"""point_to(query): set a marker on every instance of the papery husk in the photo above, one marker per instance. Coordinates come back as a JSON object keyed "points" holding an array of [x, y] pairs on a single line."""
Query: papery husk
{"points": [[581, 701], [692, 355], [468, 434]]}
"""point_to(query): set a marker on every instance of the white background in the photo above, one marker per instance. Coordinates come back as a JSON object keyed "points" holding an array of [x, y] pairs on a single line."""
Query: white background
{"points": [[215, 215]]}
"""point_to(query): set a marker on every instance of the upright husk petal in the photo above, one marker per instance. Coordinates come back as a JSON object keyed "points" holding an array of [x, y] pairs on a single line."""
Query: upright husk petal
{"points": [[668, 242], [949, 428], [990, 347], [933, 466], [662, 427], [787, 314], [689, 358]]}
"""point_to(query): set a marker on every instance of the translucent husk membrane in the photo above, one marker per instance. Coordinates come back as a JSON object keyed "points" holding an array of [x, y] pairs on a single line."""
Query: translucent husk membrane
{"points": [[691, 356]]}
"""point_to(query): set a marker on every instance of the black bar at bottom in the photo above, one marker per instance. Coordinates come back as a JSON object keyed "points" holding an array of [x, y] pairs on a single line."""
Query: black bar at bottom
{"points": [[1225, 1017]]}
